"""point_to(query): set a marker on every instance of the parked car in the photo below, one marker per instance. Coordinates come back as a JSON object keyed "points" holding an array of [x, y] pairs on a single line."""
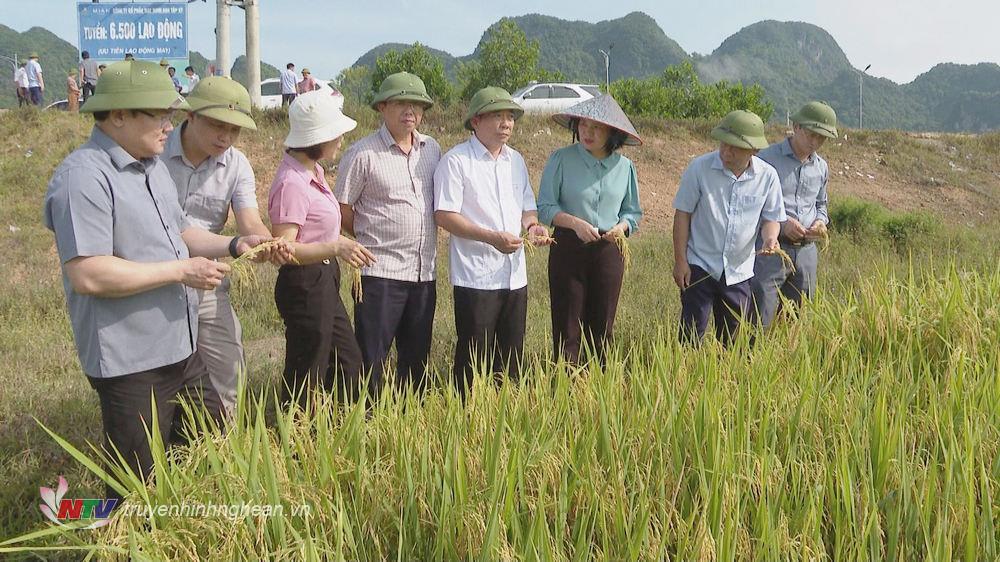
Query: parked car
{"points": [[553, 97], [270, 92], [61, 105]]}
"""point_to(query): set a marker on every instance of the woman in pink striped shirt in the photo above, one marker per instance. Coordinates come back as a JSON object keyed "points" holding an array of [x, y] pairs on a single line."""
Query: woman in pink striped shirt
{"points": [[320, 346]]}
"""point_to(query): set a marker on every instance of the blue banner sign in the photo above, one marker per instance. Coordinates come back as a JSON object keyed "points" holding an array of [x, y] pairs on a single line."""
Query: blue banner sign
{"points": [[150, 31]]}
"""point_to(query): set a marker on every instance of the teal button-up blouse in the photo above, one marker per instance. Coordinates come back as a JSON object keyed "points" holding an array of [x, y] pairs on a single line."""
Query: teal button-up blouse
{"points": [[601, 192]]}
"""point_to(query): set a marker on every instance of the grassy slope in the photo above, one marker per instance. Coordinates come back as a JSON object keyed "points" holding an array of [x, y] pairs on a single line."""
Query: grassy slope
{"points": [[43, 376]]}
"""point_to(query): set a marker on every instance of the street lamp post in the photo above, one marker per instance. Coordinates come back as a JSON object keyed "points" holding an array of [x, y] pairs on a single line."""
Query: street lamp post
{"points": [[861, 96], [607, 65]]}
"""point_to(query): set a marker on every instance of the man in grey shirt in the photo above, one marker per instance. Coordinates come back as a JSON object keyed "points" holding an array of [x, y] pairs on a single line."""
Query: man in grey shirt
{"points": [[804, 175], [212, 176], [89, 72], [128, 274]]}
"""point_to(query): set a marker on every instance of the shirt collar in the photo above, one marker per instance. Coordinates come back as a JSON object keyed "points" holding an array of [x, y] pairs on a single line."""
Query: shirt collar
{"points": [[752, 170], [119, 156], [175, 149], [591, 162], [787, 150], [483, 153], [386, 136], [299, 169]]}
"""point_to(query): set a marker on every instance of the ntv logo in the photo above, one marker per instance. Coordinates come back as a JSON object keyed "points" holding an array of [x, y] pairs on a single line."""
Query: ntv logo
{"points": [[59, 509]]}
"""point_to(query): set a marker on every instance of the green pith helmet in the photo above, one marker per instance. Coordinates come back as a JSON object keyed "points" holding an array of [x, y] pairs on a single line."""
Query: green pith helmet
{"points": [[403, 86], [817, 117], [33, 56], [164, 63], [134, 84], [223, 99], [741, 129], [490, 99]]}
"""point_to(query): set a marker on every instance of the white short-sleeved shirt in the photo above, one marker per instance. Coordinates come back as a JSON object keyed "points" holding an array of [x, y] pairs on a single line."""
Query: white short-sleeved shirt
{"points": [[288, 81], [34, 71], [493, 194], [21, 77], [726, 213]]}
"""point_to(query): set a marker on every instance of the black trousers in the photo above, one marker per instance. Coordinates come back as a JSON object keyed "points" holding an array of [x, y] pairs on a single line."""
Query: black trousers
{"points": [[490, 329], [127, 408], [320, 349], [287, 99], [400, 311], [705, 296], [87, 90], [585, 281]]}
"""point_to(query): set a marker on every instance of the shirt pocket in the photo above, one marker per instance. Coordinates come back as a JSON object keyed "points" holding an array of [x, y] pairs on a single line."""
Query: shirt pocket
{"points": [[207, 209], [751, 207]]}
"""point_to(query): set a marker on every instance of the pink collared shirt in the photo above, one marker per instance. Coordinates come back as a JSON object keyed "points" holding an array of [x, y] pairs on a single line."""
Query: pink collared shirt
{"points": [[296, 197]]}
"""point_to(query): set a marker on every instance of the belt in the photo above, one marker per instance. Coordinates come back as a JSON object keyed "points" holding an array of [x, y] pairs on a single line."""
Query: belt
{"points": [[797, 244]]}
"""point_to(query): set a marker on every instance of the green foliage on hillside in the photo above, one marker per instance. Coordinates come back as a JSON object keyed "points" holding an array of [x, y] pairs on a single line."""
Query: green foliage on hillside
{"points": [[507, 59], [679, 94], [239, 71], [415, 60]]}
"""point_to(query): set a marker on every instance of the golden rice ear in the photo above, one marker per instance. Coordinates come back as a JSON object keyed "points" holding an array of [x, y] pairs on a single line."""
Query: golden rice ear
{"points": [[786, 260], [622, 242]]}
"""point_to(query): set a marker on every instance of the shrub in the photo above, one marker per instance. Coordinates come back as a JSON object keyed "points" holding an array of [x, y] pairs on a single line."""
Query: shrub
{"points": [[415, 60]]}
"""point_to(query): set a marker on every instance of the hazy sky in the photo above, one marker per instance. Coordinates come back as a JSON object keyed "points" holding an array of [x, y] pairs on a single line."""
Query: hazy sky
{"points": [[900, 39]]}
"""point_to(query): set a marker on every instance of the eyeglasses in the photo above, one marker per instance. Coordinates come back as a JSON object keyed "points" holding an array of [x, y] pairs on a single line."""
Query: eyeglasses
{"points": [[164, 117]]}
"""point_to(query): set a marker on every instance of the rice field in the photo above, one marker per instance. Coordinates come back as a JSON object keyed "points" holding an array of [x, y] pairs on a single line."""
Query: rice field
{"points": [[867, 429], [863, 428]]}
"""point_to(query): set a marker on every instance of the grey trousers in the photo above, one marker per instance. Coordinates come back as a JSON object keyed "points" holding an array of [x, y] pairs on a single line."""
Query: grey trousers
{"points": [[770, 276], [220, 343]]}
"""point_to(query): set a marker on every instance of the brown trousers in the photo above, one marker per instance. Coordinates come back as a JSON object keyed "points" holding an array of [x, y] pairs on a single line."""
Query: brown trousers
{"points": [[585, 281]]}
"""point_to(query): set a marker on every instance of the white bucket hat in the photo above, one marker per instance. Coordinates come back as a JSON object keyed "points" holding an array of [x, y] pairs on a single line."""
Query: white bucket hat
{"points": [[314, 118]]}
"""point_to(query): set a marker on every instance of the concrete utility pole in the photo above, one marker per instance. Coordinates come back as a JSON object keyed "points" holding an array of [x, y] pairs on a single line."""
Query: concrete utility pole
{"points": [[222, 60], [253, 49]]}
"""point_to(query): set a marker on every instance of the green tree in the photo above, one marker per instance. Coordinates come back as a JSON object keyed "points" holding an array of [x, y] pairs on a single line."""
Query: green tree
{"points": [[507, 59], [355, 83], [415, 60], [679, 94]]}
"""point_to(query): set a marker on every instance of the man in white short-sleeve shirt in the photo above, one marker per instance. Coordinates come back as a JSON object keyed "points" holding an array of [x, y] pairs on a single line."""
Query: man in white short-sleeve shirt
{"points": [[483, 197]]}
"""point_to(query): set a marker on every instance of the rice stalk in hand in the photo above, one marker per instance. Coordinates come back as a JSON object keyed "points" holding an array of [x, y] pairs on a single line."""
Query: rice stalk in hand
{"points": [[622, 244], [244, 274], [786, 260], [530, 241], [356, 290]]}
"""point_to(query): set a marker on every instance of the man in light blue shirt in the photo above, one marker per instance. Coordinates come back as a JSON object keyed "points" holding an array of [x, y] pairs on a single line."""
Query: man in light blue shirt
{"points": [[724, 200], [288, 85], [803, 174]]}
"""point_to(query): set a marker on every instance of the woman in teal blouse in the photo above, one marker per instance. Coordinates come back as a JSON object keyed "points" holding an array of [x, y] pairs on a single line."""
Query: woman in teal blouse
{"points": [[590, 193]]}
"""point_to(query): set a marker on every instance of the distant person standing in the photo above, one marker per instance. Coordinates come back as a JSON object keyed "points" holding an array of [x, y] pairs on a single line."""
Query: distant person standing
{"points": [[726, 199], [385, 185], [192, 78], [289, 84], [72, 92], [803, 174], [173, 76], [129, 56], [21, 84], [36, 83], [308, 83], [89, 73]]}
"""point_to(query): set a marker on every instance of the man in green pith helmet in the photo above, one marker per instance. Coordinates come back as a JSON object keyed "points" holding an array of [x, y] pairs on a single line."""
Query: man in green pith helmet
{"points": [[385, 186], [483, 197], [725, 200], [803, 174], [212, 177], [128, 272]]}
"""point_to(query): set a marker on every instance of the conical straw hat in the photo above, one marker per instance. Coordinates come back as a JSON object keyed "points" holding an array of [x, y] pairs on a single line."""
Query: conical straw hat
{"points": [[603, 109]]}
